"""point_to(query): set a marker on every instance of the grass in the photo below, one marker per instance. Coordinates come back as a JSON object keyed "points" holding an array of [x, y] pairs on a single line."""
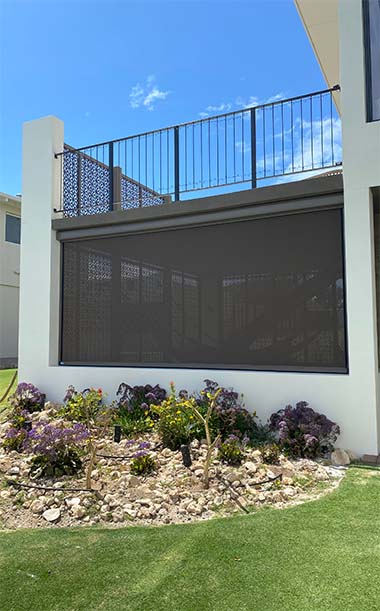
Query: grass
{"points": [[5, 378], [320, 556]]}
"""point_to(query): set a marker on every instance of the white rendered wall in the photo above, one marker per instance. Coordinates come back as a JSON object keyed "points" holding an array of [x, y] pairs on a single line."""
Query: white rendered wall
{"points": [[9, 287]]}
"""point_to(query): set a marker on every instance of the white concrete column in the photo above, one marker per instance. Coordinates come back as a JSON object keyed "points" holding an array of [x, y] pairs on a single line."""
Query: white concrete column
{"points": [[40, 251], [361, 170]]}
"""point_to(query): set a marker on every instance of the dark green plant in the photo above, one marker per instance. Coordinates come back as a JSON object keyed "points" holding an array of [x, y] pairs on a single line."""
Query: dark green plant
{"points": [[15, 439], [82, 406], [231, 451], [66, 462], [177, 423], [271, 454], [135, 407], [142, 464]]}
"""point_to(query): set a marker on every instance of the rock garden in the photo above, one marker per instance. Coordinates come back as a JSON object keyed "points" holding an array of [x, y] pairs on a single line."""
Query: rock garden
{"points": [[153, 456]]}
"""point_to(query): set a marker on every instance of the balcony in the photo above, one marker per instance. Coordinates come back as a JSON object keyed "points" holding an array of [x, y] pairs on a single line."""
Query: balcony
{"points": [[277, 142]]}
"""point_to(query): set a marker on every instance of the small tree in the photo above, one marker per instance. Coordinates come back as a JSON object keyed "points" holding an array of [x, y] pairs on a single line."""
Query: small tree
{"points": [[205, 420]]}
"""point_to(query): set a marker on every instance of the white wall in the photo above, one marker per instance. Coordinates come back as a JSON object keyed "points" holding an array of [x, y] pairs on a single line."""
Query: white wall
{"points": [[9, 286]]}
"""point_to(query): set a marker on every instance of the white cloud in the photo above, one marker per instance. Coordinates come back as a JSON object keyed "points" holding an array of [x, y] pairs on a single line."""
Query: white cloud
{"points": [[255, 101], [147, 94]]}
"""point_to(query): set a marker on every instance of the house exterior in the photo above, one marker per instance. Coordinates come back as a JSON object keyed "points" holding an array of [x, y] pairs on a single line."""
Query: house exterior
{"points": [[10, 224], [271, 290]]}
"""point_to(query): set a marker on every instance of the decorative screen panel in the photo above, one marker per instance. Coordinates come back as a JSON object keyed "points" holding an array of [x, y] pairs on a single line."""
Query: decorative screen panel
{"points": [[264, 293]]}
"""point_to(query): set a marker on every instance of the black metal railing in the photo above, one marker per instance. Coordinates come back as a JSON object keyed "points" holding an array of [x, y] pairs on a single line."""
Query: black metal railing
{"points": [[262, 143]]}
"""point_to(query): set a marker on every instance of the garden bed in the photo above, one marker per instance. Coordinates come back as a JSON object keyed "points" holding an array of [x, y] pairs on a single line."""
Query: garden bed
{"points": [[153, 457], [173, 494]]}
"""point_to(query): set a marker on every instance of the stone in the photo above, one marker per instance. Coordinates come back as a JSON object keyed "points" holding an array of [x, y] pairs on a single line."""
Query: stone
{"points": [[256, 454], [251, 467], [144, 502], [78, 512], [198, 472], [51, 515], [111, 500], [14, 471], [37, 506], [5, 494], [233, 476], [340, 458], [351, 455], [72, 502], [134, 481]]}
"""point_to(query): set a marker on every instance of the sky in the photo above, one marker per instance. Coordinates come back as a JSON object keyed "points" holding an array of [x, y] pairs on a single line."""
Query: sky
{"points": [[113, 69]]}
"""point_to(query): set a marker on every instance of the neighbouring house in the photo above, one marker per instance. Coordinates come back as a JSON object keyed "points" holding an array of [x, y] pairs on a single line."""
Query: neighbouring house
{"points": [[204, 250], [10, 224]]}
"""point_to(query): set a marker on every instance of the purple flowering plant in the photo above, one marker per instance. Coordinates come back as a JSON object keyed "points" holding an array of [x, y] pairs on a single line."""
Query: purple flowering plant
{"points": [[15, 439], [302, 432], [231, 417], [27, 397], [134, 413], [57, 448], [142, 462]]}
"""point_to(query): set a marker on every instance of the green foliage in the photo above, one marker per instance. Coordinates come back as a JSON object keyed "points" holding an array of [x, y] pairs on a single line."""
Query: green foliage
{"points": [[135, 405], [177, 423], [65, 462], [133, 423], [142, 464], [231, 451], [271, 454], [84, 406], [14, 440]]}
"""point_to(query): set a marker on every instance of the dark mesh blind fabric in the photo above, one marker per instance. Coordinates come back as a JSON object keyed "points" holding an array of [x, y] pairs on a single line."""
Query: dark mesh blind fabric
{"points": [[266, 293]]}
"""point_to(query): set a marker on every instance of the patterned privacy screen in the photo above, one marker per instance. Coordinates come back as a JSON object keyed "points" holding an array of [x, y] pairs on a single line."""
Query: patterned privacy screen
{"points": [[266, 293]]}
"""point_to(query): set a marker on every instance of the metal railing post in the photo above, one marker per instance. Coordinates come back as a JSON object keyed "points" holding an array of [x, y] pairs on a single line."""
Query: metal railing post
{"points": [[79, 183], [111, 183], [176, 163], [253, 149]]}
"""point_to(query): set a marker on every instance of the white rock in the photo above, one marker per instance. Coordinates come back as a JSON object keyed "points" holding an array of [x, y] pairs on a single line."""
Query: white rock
{"points": [[251, 467], [72, 502], [5, 494], [37, 506], [14, 471], [51, 515], [233, 476], [77, 511], [340, 457]]}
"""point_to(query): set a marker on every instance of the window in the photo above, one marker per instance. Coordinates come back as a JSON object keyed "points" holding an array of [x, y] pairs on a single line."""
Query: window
{"points": [[12, 228], [259, 294], [371, 22]]}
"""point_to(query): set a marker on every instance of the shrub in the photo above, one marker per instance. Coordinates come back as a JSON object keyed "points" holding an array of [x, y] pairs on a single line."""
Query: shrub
{"points": [[271, 454], [27, 397], [142, 463], [15, 439], [82, 406], [231, 451], [302, 432], [16, 435], [134, 413], [57, 449], [177, 423], [231, 418]]}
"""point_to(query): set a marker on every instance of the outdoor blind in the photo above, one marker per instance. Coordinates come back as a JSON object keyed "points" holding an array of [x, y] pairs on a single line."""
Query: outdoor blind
{"points": [[258, 294]]}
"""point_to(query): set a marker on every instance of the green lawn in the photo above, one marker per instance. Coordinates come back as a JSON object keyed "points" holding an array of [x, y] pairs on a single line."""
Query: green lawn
{"points": [[321, 556], [5, 378]]}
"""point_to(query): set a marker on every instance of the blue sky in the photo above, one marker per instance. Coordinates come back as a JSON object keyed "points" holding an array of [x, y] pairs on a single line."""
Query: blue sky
{"points": [[112, 69]]}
